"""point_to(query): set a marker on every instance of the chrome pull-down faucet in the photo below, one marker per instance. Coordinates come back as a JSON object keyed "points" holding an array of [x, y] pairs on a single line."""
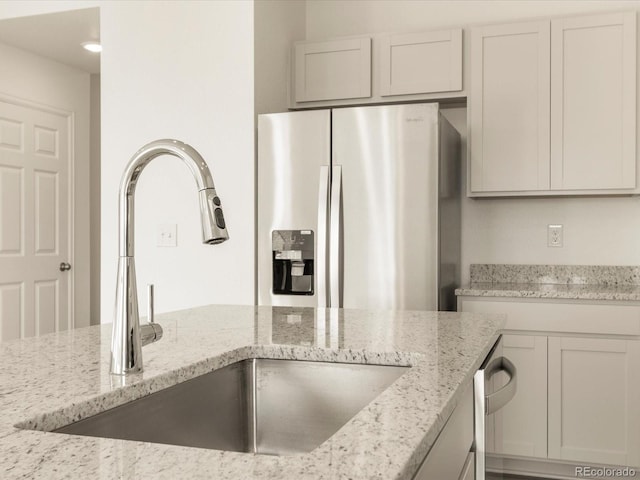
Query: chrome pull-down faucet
{"points": [[126, 343]]}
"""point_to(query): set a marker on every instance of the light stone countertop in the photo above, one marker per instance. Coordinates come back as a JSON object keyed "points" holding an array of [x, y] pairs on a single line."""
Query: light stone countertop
{"points": [[630, 293], [573, 282], [49, 381], [613, 275]]}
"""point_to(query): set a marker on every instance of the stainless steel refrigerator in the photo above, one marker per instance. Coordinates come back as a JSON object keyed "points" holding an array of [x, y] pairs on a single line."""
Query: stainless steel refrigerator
{"points": [[359, 208]]}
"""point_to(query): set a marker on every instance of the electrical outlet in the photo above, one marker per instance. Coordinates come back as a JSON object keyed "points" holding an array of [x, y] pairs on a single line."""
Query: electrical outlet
{"points": [[167, 235], [554, 235]]}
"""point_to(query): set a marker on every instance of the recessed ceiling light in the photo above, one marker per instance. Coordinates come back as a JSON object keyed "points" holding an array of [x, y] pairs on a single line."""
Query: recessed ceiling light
{"points": [[93, 47]]}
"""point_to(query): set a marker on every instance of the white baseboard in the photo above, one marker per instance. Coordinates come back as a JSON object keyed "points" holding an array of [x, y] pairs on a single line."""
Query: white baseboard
{"points": [[545, 468]]}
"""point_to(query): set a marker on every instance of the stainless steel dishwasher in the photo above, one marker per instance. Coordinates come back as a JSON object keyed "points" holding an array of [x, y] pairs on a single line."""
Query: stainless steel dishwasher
{"points": [[491, 394]]}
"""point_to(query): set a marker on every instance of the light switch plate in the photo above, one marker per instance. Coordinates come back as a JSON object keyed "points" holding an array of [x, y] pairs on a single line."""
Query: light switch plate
{"points": [[167, 235], [554, 235]]}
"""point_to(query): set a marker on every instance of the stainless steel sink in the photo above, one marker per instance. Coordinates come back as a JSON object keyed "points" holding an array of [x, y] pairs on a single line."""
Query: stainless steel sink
{"points": [[273, 407]]}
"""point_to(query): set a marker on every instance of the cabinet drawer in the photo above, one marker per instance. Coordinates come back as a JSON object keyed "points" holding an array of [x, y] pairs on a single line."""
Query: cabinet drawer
{"points": [[555, 316], [448, 456]]}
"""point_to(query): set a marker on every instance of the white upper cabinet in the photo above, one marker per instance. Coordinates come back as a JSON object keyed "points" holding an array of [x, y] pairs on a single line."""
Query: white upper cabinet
{"points": [[509, 107], [379, 68], [553, 107], [593, 102], [421, 62], [334, 69]]}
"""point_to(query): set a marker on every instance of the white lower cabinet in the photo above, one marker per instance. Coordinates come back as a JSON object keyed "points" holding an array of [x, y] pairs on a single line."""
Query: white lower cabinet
{"points": [[578, 393], [594, 400]]}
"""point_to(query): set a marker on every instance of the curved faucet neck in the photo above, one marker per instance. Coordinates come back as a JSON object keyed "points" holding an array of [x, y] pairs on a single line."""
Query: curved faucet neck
{"points": [[133, 170], [126, 338]]}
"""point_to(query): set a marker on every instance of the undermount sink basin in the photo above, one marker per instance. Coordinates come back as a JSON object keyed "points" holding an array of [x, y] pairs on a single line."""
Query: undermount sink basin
{"points": [[273, 407]]}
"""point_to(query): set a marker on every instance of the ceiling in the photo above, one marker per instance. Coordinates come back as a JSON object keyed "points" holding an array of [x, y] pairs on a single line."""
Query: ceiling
{"points": [[57, 36]]}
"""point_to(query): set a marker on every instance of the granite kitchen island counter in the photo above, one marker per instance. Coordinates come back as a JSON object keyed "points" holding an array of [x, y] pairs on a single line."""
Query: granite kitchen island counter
{"points": [[50, 381]]}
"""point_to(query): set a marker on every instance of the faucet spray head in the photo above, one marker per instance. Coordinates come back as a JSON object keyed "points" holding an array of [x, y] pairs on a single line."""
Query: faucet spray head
{"points": [[214, 228]]}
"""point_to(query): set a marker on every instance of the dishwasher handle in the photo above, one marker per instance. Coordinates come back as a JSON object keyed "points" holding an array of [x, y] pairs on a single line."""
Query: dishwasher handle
{"points": [[495, 401]]}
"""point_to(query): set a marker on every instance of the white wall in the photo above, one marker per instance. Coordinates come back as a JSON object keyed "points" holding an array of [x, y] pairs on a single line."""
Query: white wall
{"points": [[41, 80], [278, 23], [188, 73], [597, 231], [185, 72], [326, 18], [176, 70], [19, 8]]}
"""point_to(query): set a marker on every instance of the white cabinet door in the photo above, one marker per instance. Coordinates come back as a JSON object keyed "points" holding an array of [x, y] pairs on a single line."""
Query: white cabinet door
{"points": [[421, 62], [333, 69], [509, 107], [594, 400], [521, 426], [593, 102]]}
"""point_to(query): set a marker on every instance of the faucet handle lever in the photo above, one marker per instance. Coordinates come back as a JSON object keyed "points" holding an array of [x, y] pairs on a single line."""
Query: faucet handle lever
{"points": [[150, 303], [150, 332]]}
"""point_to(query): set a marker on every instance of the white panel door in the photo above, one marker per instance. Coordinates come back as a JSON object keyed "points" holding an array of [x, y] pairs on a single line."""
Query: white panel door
{"points": [[593, 102], [509, 108], [34, 221], [594, 400]]}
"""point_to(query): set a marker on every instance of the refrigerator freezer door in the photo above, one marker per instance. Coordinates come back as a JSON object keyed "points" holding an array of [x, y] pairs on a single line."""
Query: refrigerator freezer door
{"points": [[292, 148], [389, 160]]}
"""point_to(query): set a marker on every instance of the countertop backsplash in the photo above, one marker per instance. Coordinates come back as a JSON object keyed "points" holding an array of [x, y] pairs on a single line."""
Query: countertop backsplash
{"points": [[555, 274]]}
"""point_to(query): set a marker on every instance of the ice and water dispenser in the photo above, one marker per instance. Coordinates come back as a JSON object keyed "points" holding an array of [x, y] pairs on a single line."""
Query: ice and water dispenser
{"points": [[292, 257]]}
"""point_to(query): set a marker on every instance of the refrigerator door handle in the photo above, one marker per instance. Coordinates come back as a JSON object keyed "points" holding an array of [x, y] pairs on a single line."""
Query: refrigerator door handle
{"points": [[322, 240], [335, 254]]}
